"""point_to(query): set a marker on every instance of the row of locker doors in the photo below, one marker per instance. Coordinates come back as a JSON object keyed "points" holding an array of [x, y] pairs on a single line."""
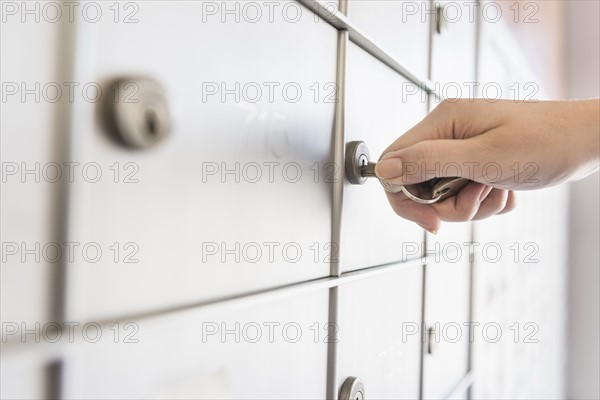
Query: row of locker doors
{"points": [[237, 199], [278, 346]]}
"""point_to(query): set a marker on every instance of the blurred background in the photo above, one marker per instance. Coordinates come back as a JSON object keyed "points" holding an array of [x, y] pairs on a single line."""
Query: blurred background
{"points": [[583, 42]]}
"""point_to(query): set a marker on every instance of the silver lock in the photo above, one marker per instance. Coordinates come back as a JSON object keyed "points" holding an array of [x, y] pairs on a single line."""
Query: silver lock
{"points": [[137, 112], [352, 389], [357, 158]]}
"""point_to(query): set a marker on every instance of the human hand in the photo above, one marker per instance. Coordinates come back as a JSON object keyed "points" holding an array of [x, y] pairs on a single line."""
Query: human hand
{"points": [[500, 146]]}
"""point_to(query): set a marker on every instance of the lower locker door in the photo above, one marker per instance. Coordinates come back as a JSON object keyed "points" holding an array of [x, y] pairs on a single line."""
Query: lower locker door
{"points": [[276, 349], [379, 340], [446, 346], [26, 376]]}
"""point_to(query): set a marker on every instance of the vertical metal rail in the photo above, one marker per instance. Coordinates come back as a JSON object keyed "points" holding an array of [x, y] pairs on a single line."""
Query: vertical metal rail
{"points": [[337, 200], [63, 133], [338, 147]]}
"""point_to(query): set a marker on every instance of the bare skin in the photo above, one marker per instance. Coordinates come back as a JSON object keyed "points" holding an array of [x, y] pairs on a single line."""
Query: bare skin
{"points": [[502, 147]]}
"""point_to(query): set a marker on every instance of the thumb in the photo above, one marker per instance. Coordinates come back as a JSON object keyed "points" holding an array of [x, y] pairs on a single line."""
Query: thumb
{"points": [[428, 159]]}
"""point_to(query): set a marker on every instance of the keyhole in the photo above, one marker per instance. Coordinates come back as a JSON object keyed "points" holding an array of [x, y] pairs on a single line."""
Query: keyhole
{"points": [[444, 191], [363, 160], [151, 121]]}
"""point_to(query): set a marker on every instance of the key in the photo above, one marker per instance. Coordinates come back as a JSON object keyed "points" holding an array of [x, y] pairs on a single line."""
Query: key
{"points": [[368, 170], [448, 187], [359, 168]]}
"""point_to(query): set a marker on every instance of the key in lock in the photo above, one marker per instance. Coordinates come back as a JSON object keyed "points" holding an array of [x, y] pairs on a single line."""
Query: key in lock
{"points": [[359, 168]]}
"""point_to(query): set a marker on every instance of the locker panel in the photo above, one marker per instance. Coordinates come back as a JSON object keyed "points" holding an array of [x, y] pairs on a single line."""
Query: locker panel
{"points": [[378, 111], [463, 395], [379, 333], [24, 377], [519, 282], [453, 62], [451, 244], [237, 197], [445, 358], [32, 141], [453, 50], [519, 286], [275, 350], [401, 27]]}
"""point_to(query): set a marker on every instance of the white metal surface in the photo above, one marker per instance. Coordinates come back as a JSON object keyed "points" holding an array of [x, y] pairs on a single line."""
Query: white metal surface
{"points": [[274, 350], [453, 50], [402, 28], [379, 333], [25, 380], [31, 148], [377, 114], [447, 312], [522, 289], [199, 232]]}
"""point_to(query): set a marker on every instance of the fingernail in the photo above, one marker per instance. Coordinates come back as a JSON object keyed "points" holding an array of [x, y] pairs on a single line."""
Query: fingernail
{"points": [[433, 231], [388, 168]]}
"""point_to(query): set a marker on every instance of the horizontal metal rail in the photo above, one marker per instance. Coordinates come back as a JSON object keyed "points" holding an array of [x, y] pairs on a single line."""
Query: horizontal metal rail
{"points": [[339, 21]]}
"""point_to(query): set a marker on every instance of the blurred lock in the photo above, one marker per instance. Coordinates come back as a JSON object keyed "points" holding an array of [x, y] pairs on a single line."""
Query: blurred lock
{"points": [[137, 113]]}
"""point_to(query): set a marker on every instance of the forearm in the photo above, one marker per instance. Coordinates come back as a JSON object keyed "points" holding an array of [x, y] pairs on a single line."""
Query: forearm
{"points": [[584, 117]]}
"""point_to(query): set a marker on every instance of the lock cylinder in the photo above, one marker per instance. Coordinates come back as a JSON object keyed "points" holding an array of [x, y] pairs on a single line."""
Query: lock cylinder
{"points": [[358, 167]]}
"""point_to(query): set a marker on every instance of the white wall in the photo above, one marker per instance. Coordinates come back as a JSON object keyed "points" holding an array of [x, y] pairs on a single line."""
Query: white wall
{"points": [[584, 260]]}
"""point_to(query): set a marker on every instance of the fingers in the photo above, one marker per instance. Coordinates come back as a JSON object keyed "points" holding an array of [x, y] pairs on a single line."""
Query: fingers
{"points": [[430, 159], [511, 203], [451, 119], [475, 201], [493, 204], [422, 214], [464, 206], [459, 138], [461, 207], [433, 127]]}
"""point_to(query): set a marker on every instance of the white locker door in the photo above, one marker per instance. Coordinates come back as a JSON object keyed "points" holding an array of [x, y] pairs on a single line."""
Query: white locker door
{"points": [[445, 352], [270, 349], [378, 111], [379, 332], [237, 198], [400, 27], [453, 48]]}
